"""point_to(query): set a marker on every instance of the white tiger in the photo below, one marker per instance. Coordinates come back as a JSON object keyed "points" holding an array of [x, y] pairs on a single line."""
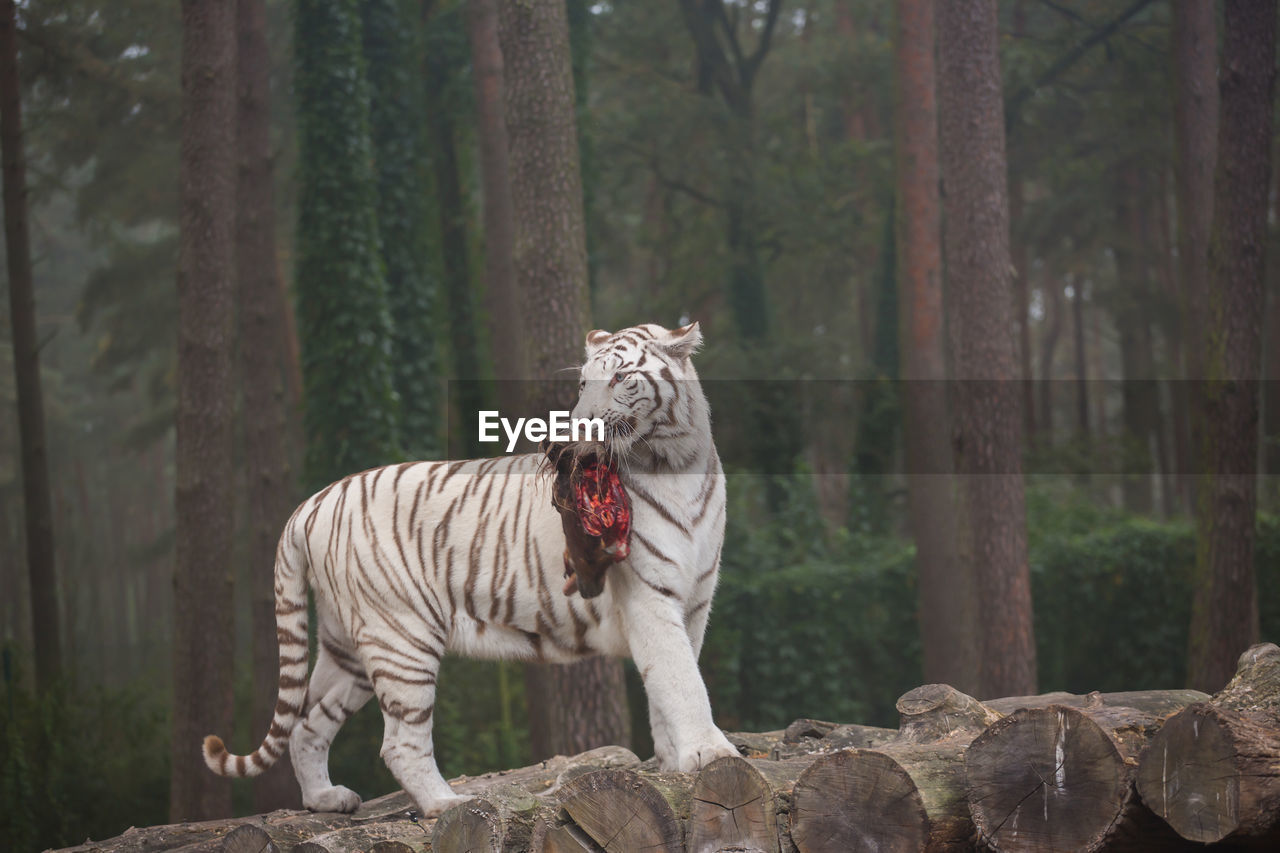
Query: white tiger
{"points": [[410, 561]]}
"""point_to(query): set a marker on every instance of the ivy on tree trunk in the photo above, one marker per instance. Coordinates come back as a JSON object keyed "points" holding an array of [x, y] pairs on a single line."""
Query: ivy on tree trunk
{"points": [[352, 409], [392, 46]]}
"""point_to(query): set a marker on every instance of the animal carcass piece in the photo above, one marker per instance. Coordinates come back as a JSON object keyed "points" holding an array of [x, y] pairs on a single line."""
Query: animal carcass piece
{"points": [[594, 511]]}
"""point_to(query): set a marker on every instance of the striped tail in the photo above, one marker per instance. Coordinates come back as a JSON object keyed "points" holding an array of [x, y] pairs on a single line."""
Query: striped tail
{"points": [[291, 631]]}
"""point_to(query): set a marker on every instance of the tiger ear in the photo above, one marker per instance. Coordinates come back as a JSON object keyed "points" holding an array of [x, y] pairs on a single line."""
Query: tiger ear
{"points": [[596, 339], [684, 342]]}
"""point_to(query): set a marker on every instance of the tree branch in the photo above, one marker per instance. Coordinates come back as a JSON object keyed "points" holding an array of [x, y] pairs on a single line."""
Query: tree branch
{"points": [[80, 58], [1016, 101], [762, 47], [730, 30]]}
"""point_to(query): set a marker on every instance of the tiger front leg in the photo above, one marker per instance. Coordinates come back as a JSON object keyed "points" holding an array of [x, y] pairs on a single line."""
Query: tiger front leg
{"points": [[662, 651]]}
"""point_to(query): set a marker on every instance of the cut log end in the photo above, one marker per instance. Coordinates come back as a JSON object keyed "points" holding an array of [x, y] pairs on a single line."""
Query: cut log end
{"points": [[858, 800], [1046, 779], [732, 808], [1191, 776], [616, 810]]}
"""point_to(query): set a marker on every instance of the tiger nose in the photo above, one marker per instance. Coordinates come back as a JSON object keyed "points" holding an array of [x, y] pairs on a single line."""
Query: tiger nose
{"points": [[591, 401]]}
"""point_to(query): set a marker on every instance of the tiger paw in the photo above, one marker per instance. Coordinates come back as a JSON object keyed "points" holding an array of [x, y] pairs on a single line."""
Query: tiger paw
{"points": [[335, 798], [439, 805], [699, 756]]}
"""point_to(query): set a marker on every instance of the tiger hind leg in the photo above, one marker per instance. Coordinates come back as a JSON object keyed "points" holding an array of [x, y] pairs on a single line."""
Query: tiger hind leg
{"points": [[338, 689], [408, 708]]}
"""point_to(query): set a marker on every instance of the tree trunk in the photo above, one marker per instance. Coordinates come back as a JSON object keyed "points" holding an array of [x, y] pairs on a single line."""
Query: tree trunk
{"points": [[948, 612], [1210, 770], [202, 648], [1022, 276], [581, 705], [352, 413], [988, 440], [263, 359], [1225, 610], [468, 391], [1131, 314], [1081, 356], [1195, 94], [1048, 347], [36, 500], [501, 296], [391, 31]]}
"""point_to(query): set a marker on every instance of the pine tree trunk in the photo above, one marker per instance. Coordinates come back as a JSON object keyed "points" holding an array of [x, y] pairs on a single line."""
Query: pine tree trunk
{"points": [[36, 500], [1130, 312], [352, 412], [988, 402], [1048, 347], [202, 648], [501, 297], [581, 705], [948, 611], [1227, 501], [1081, 356], [468, 391], [263, 360], [1195, 90], [391, 31]]}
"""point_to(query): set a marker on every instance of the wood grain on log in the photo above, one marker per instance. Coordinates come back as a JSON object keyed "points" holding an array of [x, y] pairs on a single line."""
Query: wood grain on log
{"points": [[402, 845], [248, 838], [816, 737], [618, 810], [502, 819], [755, 744], [1212, 770], [741, 804], [359, 838], [1160, 703], [903, 795], [1061, 778]]}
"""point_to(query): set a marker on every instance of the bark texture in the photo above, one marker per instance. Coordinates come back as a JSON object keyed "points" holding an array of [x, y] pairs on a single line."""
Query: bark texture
{"points": [[1195, 141], [202, 648], [263, 360], [37, 502], [1227, 498], [948, 627], [583, 705], [987, 399], [501, 297]]}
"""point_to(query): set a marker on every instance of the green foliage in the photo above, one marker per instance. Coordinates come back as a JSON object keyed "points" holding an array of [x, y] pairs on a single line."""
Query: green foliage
{"points": [[77, 763], [808, 622], [393, 49], [1112, 606], [343, 314]]}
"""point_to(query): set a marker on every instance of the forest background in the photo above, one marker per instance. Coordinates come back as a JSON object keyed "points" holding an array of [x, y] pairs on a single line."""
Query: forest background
{"points": [[369, 205]]}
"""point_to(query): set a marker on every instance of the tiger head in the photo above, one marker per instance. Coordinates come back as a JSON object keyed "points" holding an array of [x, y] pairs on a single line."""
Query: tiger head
{"points": [[641, 382]]}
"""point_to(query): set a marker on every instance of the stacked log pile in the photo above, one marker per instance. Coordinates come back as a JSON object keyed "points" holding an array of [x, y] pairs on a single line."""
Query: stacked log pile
{"points": [[1139, 771]]}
